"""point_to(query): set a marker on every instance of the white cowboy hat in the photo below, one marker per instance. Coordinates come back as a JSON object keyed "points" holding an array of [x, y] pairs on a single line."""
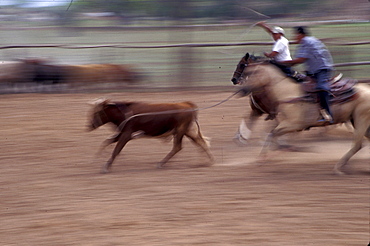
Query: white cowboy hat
{"points": [[278, 29]]}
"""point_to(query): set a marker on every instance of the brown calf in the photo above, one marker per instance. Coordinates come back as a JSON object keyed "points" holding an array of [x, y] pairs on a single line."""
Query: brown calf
{"points": [[135, 119]]}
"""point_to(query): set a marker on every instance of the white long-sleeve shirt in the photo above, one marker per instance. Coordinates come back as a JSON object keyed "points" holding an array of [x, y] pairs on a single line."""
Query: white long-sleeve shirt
{"points": [[281, 46]]}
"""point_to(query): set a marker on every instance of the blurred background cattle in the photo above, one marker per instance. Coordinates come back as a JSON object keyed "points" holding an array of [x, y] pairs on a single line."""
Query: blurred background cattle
{"points": [[43, 71], [99, 73]]}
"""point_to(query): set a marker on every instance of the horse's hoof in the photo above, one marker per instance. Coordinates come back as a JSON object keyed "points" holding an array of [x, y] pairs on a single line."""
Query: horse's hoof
{"points": [[339, 172], [104, 171], [208, 163], [240, 141], [261, 160]]}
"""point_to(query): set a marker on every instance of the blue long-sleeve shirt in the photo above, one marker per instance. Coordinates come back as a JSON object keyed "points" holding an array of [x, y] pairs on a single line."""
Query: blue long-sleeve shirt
{"points": [[317, 55]]}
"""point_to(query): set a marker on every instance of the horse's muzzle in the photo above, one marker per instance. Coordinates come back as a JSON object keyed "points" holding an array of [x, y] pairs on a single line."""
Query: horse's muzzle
{"points": [[235, 81]]}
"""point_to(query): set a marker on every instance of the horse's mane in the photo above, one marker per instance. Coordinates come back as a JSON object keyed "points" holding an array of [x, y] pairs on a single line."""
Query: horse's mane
{"points": [[124, 104], [267, 63], [258, 59]]}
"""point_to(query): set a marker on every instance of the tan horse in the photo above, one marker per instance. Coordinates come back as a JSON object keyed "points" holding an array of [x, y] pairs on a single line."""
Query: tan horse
{"points": [[296, 115]]}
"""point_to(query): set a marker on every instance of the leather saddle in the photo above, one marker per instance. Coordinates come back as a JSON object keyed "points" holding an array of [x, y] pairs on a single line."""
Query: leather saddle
{"points": [[341, 89]]}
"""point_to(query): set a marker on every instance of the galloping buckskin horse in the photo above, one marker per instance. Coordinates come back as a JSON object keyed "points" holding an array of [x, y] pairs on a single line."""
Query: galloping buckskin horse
{"points": [[296, 113], [139, 119], [261, 102]]}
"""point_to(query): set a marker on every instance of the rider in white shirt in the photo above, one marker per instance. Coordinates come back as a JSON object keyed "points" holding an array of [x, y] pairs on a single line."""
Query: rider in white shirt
{"points": [[280, 51]]}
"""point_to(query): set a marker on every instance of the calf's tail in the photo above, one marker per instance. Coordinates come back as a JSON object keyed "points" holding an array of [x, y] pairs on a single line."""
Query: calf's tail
{"points": [[206, 139]]}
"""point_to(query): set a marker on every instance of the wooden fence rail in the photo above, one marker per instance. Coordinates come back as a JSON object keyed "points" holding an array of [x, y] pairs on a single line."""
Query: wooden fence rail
{"points": [[191, 45], [122, 46]]}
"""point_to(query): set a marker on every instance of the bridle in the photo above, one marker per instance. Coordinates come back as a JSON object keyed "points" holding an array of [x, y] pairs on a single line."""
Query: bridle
{"points": [[239, 65], [245, 62], [239, 72], [98, 114], [98, 117]]}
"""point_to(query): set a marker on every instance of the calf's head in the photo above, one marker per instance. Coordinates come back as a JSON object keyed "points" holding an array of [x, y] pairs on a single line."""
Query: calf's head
{"points": [[98, 116]]}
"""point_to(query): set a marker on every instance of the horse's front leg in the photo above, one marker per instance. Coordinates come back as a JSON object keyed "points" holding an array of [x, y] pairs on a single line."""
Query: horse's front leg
{"points": [[244, 132], [265, 148], [280, 130]]}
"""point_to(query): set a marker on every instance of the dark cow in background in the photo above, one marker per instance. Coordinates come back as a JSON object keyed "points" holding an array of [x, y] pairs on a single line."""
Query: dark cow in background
{"points": [[138, 119], [43, 71], [31, 71]]}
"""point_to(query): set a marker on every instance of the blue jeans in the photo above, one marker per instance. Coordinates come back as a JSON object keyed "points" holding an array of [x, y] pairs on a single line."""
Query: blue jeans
{"points": [[322, 78]]}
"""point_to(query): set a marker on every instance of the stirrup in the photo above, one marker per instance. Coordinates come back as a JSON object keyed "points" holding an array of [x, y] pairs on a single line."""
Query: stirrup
{"points": [[298, 76], [338, 77], [326, 117]]}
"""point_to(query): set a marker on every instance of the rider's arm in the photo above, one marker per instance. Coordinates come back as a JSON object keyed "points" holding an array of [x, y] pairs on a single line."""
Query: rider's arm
{"points": [[272, 54], [264, 26], [295, 61]]}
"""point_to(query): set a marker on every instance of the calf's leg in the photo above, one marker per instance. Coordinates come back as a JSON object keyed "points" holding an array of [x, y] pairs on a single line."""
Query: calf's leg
{"points": [[199, 140], [177, 146], [122, 141], [108, 142]]}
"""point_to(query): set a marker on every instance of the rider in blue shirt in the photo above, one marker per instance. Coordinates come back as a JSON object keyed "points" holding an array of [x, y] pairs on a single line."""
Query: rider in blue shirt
{"points": [[319, 63]]}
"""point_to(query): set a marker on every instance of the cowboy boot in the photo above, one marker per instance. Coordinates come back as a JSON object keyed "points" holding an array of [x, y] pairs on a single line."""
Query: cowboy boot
{"points": [[326, 117]]}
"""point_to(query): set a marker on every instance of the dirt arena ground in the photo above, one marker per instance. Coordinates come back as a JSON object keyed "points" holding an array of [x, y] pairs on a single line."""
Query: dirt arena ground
{"points": [[53, 194]]}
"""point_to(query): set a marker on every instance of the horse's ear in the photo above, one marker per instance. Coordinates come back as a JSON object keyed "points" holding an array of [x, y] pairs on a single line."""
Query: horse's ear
{"points": [[246, 56]]}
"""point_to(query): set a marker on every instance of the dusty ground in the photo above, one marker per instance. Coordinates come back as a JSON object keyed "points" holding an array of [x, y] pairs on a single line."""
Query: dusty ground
{"points": [[53, 194]]}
